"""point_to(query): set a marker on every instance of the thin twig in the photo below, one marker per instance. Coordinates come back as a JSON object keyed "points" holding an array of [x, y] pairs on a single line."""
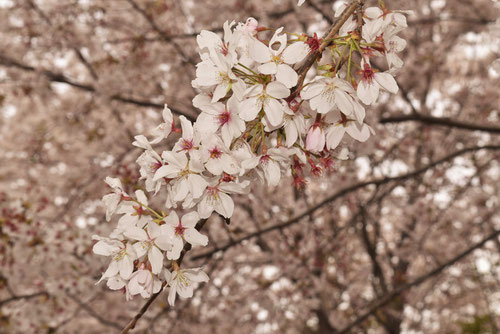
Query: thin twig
{"points": [[443, 121], [389, 297], [145, 307], [311, 58], [343, 192]]}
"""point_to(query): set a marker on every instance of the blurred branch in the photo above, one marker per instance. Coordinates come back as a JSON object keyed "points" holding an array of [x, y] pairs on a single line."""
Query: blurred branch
{"points": [[343, 192], [58, 77], [443, 121], [20, 297], [93, 313], [431, 20], [164, 36], [144, 308], [388, 298]]}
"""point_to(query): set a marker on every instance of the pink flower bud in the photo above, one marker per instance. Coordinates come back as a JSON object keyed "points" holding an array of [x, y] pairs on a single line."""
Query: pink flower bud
{"points": [[315, 140]]}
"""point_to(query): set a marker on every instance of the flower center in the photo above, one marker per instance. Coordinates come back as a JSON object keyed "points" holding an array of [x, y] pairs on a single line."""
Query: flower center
{"points": [[139, 211], [224, 117], [215, 153], [264, 159], [179, 229], [187, 144], [213, 191], [367, 73]]}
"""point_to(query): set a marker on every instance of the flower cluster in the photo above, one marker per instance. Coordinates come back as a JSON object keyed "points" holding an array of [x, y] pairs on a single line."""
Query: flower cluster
{"points": [[258, 120]]}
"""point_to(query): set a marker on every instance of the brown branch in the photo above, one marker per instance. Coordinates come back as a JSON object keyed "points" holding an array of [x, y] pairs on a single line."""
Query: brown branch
{"points": [[144, 308], [311, 58], [442, 121], [58, 77], [343, 192], [163, 35], [20, 297], [93, 313], [419, 280]]}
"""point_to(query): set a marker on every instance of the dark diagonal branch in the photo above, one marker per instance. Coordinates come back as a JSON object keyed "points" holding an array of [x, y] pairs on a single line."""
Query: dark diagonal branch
{"points": [[334, 29], [389, 297], [145, 307], [93, 313], [58, 77], [343, 192], [442, 121], [163, 35], [21, 297]]}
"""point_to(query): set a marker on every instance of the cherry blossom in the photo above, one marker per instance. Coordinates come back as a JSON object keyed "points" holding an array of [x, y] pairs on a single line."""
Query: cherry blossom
{"points": [[181, 282], [180, 230]]}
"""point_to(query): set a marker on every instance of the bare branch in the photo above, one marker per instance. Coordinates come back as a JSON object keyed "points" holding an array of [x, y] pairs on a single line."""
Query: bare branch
{"points": [[93, 313], [342, 193], [58, 77], [144, 308], [388, 298], [442, 121], [20, 297]]}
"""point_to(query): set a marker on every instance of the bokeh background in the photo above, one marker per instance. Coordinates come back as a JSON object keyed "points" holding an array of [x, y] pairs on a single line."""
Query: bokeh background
{"points": [[401, 238]]}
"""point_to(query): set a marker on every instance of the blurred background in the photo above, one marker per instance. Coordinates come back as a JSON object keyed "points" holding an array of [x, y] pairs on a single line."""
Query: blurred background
{"points": [[401, 238]]}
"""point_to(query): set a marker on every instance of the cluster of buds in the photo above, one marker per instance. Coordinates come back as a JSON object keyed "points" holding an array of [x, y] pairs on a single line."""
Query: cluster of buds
{"points": [[258, 121]]}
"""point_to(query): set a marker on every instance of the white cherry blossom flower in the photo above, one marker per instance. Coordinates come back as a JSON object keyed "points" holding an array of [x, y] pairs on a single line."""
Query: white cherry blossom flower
{"points": [[216, 198], [216, 157], [269, 165], [259, 97], [336, 131], [181, 281], [278, 61], [152, 241], [294, 127], [377, 20], [111, 201], [142, 282], [163, 130], [223, 117], [325, 94], [210, 42], [371, 82], [185, 174], [182, 229], [123, 257], [189, 140]]}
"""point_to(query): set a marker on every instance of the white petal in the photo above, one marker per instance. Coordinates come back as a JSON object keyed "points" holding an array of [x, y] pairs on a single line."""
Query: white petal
{"points": [[268, 68], [274, 112], [155, 257], [343, 102], [176, 250], [226, 207], [272, 173], [168, 171], [163, 242], [387, 81], [367, 92], [249, 109], [194, 237], [295, 53], [334, 135], [287, 76], [277, 90], [136, 233], [171, 296], [126, 266], [197, 185], [259, 52], [190, 219]]}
